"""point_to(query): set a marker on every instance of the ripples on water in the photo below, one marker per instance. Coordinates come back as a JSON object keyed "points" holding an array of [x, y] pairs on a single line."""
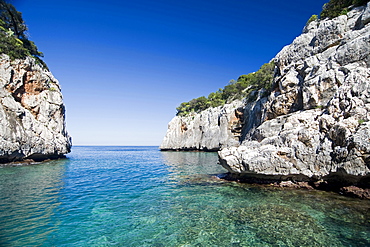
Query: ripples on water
{"points": [[138, 196]]}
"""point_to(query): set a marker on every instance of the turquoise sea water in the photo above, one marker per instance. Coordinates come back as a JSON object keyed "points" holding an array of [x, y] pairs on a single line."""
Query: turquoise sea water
{"points": [[138, 196]]}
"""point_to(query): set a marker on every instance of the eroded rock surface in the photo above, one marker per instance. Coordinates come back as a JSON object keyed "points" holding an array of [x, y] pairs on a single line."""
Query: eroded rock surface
{"points": [[317, 118], [209, 130], [314, 125], [32, 112]]}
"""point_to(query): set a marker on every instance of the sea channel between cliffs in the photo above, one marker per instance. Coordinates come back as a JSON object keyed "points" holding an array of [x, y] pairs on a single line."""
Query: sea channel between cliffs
{"points": [[309, 130], [138, 196]]}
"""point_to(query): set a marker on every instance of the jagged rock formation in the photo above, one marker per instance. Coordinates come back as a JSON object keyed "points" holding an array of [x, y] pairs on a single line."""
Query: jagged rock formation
{"points": [[315, 123], [32, 116], [209, 130]]}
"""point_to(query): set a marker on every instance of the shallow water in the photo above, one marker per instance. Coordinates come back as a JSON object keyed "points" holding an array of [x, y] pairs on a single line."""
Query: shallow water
{"points": [[138, 196]]}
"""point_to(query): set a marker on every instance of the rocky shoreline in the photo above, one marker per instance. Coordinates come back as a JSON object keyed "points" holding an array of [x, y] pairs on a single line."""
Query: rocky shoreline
{"points": [[343, 187], [30, 162], [312, 129]]}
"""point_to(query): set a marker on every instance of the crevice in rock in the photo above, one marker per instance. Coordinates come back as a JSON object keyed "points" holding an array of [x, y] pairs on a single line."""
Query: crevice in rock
{"points": [[18, 93], [236, 123], [184, 127]]}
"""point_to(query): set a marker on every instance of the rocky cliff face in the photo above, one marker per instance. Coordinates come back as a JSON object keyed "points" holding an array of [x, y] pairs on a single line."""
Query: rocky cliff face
{"points": [[209, 130], [32, 116], [315, 123]]}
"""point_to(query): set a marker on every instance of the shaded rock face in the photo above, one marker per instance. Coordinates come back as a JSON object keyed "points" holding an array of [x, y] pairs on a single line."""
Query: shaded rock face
{"points": [[316, 121], [32, 112], [209, 130]]}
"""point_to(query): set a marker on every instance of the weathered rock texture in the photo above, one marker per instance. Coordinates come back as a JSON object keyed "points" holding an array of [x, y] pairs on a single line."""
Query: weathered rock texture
{"points": [[32, 120], [209, 130], [315, 123]]}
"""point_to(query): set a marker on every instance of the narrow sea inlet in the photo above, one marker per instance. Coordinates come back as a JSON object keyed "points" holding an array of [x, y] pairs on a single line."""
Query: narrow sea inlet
{"points": [[139, 196]]}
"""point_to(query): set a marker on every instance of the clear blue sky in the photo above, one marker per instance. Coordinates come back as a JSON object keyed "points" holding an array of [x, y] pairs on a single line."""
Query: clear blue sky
{"points": [[124, 66]]}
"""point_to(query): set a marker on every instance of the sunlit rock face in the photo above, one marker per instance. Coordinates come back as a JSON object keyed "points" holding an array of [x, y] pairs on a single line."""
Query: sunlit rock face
{"points": [[208, 130], [316, 121], [32, 113]]}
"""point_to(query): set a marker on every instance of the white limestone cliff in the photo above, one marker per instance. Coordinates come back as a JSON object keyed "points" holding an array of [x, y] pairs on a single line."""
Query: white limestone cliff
{"points": [[209, 130], [316, 121], [32, 113], [317, 118]]}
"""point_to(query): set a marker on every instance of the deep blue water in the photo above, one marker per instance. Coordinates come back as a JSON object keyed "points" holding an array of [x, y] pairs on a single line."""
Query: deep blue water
{"points": [[138, 196]]}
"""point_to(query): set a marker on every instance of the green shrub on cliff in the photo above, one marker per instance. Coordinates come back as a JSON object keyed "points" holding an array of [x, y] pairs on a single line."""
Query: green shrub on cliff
{"points": [[13, 39], [312, 18], [238, 89], [336, 8], [11, 46]]}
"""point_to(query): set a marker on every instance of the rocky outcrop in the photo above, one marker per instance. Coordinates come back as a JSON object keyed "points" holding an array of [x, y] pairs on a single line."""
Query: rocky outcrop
{"points": [[209, 130], [315, 124], [32, 112], [316, 121]]}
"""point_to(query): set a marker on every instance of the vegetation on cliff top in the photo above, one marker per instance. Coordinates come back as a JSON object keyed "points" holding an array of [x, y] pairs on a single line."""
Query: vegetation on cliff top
{"points": [[263, 78], [13, 34], [243, 87], [336, 8]]}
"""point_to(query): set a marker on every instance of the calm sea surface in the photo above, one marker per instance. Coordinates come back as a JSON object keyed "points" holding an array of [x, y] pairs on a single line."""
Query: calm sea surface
{"points": [[138, 196]]}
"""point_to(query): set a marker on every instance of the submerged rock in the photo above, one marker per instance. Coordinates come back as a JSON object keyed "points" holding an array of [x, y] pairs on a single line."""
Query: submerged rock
{"points": [[273, 223], [356, 192], [32, 112]]}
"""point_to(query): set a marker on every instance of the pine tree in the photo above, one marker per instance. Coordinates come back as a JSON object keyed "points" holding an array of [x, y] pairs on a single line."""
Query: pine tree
{"points": [[13, 33]]}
